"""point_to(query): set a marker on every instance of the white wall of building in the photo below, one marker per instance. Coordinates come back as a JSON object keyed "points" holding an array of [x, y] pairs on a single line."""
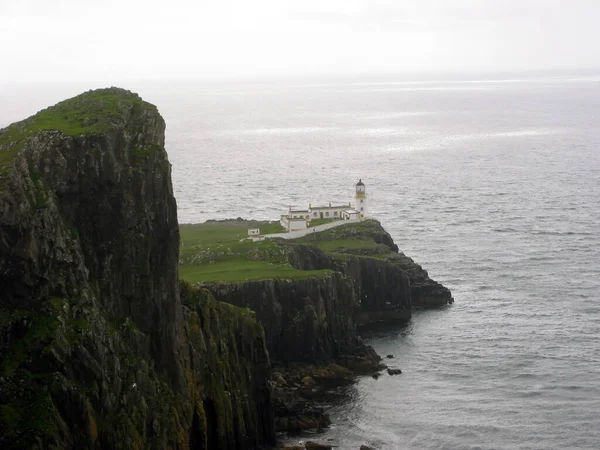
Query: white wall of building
{"points": [[328, 213], [297, 224]]}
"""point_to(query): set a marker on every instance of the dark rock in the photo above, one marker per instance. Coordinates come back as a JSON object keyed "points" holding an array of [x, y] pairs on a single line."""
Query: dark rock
{"points": [[96, 348], [367, 447], [376, 375], [305, 320], [394, 371], [389, 356], [383, 289], [363, 360], [425, 292], [301, 416]]}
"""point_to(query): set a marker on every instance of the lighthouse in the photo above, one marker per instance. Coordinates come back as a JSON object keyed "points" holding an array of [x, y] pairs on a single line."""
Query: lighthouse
{"points": [[361, 198]]}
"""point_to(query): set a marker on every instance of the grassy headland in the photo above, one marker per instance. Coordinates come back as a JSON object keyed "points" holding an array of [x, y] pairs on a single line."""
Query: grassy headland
{"points": [[358, 239], [218, 251]]}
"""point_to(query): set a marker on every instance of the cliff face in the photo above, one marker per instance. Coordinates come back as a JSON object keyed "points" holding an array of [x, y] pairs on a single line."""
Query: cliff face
{"points": [[315, 319], [424, 292], [307, 320], [229, 371], [383, 289], [391, 283], [96, 207], [96, 347]]}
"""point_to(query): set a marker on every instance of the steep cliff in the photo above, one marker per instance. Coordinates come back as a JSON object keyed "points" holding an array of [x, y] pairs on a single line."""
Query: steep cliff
{"points": [[382, 289], [305, 320], [391, 283], [311, 307], [96, 348], [311, 293]]}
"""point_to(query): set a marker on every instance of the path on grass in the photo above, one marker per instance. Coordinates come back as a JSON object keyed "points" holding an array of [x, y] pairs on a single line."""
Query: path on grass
{"points": [[309, 230]]}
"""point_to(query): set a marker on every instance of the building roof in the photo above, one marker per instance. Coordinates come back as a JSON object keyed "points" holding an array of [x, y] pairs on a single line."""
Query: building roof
{"points": [[351, 211], [360, 183], [299, 211]]}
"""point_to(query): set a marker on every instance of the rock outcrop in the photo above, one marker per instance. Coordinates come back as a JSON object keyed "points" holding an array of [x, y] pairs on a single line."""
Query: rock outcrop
{"points": [[96, 348], [315, 319], [424, 292], [305, 320], [390, 283]]}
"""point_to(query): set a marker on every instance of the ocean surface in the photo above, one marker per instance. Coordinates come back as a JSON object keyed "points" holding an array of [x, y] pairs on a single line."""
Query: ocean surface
{"points": [[492, 184]]}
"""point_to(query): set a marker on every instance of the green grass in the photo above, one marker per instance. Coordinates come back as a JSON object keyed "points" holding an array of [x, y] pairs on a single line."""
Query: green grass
{"points": [[213, 232], [353, 239], [365, 229], [349, 244], [219, 251], [93, 112], [243, 270]]}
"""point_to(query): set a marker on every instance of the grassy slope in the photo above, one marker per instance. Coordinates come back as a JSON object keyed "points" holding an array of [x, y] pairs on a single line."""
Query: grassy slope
{"points": [[354, 238], [93, 112], [216, 251], [213, 251]]}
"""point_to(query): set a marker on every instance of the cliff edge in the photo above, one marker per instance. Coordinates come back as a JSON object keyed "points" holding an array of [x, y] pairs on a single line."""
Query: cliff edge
{"points": [[310, 294], [96, 348]]}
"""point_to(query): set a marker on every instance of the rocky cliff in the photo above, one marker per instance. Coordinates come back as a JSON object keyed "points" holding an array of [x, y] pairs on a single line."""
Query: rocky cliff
{"points": [[305, 320], [388, 279], [315, 319], [96, 348]]}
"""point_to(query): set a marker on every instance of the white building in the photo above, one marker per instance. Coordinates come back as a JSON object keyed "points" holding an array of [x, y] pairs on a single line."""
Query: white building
{"points": [[299, 219]]}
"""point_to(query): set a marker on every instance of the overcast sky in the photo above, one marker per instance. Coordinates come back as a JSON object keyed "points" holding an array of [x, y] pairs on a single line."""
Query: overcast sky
{"points": [[106, 40]]}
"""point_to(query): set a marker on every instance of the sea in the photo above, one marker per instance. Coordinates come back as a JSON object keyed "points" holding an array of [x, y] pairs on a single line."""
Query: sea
{"points": [[491, 183]]}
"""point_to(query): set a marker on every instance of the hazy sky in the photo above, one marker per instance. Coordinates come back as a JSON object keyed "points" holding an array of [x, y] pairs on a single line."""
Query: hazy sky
{"points": [[104, 40]]}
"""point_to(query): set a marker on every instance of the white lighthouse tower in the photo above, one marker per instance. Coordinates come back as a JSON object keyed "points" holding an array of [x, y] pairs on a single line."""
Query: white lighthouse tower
{"points": [[361, 199]]}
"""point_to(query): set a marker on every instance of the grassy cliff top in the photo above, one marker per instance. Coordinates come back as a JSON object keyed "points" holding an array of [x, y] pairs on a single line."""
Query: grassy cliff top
{"points": [[218, 251], [93, 112], [367, 238]]}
